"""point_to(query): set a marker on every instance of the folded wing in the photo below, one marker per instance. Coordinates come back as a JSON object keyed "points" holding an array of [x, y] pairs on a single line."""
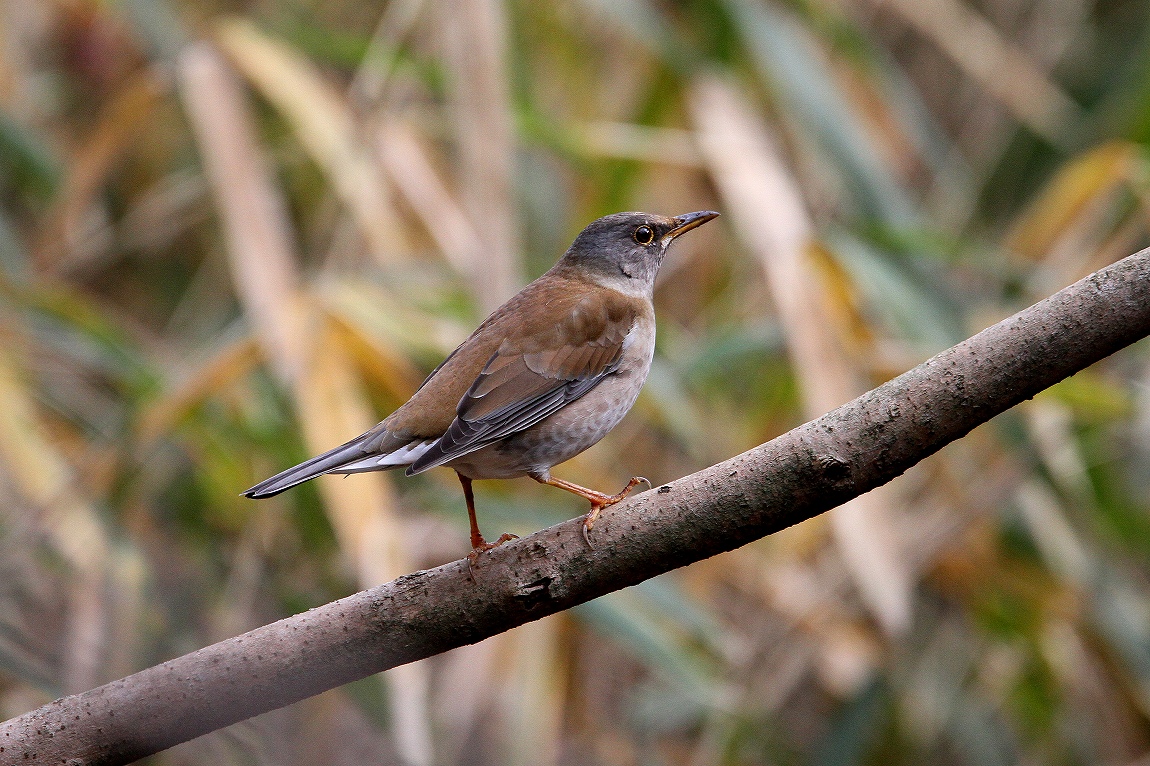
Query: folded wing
{"points": [[524, 383]]}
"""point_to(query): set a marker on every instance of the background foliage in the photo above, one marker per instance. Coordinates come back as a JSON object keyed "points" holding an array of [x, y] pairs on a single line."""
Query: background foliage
{"points": [[235, 234]]}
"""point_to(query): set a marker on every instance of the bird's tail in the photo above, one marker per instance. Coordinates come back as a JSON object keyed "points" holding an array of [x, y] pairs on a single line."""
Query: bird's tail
{"points": [[332, 460]]}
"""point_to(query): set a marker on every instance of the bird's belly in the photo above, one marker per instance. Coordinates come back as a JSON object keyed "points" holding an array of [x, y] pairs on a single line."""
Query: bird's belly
{"points": [[569, 431]]}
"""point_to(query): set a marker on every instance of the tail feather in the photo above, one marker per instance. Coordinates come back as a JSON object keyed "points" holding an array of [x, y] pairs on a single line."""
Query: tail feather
{"points": [[329, 461]]}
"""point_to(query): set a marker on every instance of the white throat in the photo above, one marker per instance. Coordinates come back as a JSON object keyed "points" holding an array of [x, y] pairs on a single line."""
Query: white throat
{"points": [[636, 288]]}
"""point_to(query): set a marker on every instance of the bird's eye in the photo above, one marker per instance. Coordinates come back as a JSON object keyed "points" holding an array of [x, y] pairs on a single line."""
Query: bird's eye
{"points": [[644, 236]]}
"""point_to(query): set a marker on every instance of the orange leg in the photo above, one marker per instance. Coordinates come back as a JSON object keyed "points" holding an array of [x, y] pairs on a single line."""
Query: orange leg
{"points": [[478, 544], [598, 500]]}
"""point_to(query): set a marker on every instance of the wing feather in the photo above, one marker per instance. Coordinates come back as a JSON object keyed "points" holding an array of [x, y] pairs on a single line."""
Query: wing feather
{"points": [[519, 387]]}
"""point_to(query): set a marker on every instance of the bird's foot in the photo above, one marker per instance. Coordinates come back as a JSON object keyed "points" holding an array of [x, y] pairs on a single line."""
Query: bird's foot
{"points": [[480, 546], [602, 501]]}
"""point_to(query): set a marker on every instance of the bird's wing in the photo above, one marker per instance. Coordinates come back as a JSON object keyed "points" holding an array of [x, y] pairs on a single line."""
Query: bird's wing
{"points": [[530, 378]]}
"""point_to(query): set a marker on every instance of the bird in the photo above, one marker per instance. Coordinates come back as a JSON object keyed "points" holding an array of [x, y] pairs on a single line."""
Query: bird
{"points": [[543, 378]]}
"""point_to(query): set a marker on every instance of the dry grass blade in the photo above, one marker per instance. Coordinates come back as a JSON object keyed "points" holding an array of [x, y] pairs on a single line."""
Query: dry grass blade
{"points": [[1053, 534], [332, 407], [1073, 226], [390, 326], [1051, 426], [256, 231], [639, 142], [371, 78], [480, 105], [1070, 193], [330, 403], [753, 180], [225, 367], [463, 695], [67, 240], [803, 79], [324, 123], [1002, 68], [41, 474], [536, 705], [414, 176], [379, 361]]}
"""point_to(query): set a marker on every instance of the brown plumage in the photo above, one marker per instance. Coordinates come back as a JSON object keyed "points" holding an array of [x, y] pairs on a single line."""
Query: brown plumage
{"points": [[547, 375]]}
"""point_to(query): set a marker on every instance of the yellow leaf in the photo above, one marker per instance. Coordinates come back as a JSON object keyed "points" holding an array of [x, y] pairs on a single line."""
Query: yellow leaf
{"points": [[1066, 196], [323, 122]]}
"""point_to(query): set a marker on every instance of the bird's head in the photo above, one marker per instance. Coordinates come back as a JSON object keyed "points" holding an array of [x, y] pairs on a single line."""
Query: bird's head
{"points": [[625, 250]]}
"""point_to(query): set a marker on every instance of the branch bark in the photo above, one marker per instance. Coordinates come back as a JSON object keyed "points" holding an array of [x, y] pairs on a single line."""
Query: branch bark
{"points": [[802, 473]]}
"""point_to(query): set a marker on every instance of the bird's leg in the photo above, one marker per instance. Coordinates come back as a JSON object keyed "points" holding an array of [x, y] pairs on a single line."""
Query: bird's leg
{"points": [[598, 500], [478, 544]]}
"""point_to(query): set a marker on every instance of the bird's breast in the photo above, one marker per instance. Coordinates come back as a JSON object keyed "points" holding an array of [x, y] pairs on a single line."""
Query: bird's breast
{"points": [[639, 347]]}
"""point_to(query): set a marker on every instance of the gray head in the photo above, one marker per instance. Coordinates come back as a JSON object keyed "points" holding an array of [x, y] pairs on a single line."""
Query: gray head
{"points": [[625, 250]]}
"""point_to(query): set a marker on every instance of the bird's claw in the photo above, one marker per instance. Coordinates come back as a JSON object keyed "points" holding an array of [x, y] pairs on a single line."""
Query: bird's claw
{"points": [[484, 546], [588, 522], [589, 519], [634, 482]]}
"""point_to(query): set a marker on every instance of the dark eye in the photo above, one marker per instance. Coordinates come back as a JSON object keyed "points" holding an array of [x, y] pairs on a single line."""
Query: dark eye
{"points": [[644, 236]]}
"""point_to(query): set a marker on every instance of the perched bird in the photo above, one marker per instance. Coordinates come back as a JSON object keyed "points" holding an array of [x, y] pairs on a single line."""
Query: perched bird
{"points": [[546, 376]]}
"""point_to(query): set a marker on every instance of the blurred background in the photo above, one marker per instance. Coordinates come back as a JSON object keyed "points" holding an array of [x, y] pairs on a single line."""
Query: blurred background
{"points": [[234, 234]]}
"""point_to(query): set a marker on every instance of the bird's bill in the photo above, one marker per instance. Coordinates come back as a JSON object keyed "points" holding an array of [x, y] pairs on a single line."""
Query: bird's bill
{"points": [[688, 221]]}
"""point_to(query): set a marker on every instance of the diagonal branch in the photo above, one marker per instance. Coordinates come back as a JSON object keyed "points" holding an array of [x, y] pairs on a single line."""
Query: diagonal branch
{"points": [[802, 473]]}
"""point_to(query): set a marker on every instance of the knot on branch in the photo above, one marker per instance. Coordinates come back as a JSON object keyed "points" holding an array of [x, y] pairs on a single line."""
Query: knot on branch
{"points": [[834, 468]]}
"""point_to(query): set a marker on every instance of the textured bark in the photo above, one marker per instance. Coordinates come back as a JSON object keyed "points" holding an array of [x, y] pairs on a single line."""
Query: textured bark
{"points": [[802, 473]]}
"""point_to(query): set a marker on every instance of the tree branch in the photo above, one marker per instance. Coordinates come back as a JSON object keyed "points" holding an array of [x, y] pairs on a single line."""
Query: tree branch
{"points": [[802, 473]]}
